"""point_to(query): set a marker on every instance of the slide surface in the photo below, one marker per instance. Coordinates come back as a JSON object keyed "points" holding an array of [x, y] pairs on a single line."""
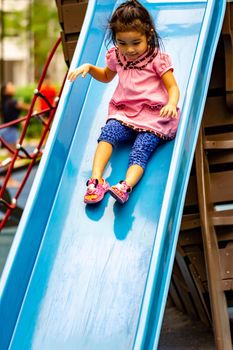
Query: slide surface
{"points": [[97, 277]]}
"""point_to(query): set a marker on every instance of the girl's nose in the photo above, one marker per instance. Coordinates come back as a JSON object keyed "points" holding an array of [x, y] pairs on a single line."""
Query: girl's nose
{"points": [[130, 49]]}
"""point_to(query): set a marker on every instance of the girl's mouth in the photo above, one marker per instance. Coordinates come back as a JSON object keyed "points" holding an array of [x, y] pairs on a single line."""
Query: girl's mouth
{"points": [[132, 56]]}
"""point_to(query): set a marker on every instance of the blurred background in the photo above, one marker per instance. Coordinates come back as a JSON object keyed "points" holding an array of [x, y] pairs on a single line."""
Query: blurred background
{"points": [[29, 29]]}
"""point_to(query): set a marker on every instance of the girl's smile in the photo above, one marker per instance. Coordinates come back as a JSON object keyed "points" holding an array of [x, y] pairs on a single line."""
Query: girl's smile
{"points": [[131, 44]]}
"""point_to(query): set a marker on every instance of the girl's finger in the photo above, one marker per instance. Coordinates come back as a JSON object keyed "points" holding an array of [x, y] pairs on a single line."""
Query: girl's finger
{"points": [[72, 76], [84, 74], [163, 112]]}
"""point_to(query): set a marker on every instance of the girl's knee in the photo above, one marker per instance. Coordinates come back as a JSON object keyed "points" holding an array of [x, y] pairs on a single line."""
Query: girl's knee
{"points": [[147, 141], [143, 148], [139, 156], [114, 132], [108, 133]]}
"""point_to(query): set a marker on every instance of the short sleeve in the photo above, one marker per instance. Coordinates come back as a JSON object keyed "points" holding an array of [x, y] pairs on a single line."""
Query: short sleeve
{"points": [[162, 63], [111, 59]]}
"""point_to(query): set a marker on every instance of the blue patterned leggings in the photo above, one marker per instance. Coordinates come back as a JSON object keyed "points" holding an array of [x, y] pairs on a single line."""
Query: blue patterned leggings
{"points": [[144, 142]]}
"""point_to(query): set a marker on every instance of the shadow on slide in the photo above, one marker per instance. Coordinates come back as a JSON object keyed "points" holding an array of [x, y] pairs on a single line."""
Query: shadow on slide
{"points": [[97, 277]]}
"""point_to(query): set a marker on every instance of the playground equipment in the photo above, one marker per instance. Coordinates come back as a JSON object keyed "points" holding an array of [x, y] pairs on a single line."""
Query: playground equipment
{"points": [[99, 277], [20, 158], [204, 260], [202, 279]]}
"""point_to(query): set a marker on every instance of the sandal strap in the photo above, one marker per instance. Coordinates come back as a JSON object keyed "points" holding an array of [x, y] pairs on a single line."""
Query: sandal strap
{"points": [[92, 182], [123, 186], [119, 192]]}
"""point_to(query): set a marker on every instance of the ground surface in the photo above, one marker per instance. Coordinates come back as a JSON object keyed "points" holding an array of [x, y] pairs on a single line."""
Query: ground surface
{"points": [[179, 332]]}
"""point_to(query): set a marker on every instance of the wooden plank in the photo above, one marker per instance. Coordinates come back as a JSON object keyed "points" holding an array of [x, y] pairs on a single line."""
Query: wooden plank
{"points": [[190, 222], [221, 218], [226, 259], [219, 141], [217, 296], [73, 16], [175, 297], [216, 113], [190, 237], [220, 158], [198, 302], [221, 188]]}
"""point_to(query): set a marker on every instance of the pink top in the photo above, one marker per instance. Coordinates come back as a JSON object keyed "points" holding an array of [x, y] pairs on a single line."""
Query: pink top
{"points": [[140, 93]]}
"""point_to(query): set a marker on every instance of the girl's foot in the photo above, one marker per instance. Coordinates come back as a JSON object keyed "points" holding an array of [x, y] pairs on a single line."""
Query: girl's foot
{"points": [[120, 191], [95, 191]]}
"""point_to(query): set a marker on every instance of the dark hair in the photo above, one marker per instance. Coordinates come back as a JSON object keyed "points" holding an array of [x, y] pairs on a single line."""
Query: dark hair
{"points": [[131, 15], [3, 98], [3, 90]]}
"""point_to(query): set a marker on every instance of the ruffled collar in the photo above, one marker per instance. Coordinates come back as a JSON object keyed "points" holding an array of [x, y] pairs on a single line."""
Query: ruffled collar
{"points": [[140, 63]]}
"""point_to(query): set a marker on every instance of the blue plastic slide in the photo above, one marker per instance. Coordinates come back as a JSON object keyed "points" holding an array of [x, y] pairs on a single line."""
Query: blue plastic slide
{"points": [[97, 277]]}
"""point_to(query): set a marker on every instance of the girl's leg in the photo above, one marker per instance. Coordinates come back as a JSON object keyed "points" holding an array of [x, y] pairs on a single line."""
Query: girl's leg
{"points": [[112, 133], [143, 147], [134, 174], [102, 155], [97, 187]]}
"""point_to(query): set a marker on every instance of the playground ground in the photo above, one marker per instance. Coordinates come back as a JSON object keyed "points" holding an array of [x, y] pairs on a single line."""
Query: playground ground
{"points": [[179, 332]]}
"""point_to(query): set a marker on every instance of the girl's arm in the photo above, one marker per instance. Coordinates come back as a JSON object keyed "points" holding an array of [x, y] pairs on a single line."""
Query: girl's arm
{"points": [[173, 95], [105, 75]]}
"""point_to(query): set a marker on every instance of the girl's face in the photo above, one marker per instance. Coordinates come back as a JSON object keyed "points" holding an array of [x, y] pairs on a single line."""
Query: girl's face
{"points": [[131, 44]]}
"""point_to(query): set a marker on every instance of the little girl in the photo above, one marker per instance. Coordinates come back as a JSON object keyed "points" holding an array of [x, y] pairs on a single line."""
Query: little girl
{"points": [[144, 105]]}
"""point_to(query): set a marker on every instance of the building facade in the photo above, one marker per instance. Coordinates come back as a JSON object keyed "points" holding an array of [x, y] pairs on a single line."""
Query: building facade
{"points": [[16, 49], [16, 59]]}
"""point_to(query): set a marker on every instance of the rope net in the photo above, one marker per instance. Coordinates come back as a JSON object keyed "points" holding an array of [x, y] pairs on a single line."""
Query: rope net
{"points": [[8, 205]]}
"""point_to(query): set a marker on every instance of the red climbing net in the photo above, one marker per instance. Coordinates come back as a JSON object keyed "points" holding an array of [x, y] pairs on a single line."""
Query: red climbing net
{"points": [[8, 204]]}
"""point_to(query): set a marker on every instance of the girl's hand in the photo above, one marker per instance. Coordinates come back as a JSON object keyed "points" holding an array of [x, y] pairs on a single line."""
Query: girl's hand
{"points": [[168, 110], [84, 69]]}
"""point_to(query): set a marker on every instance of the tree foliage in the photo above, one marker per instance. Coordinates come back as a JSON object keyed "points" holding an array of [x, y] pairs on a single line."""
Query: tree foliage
{"points": [[14, 23], [38, 22], [45, 29]]}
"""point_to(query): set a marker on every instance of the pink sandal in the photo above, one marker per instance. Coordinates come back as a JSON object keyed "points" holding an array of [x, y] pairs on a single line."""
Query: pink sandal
{"points": [[120, 191], [95, 191]]}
